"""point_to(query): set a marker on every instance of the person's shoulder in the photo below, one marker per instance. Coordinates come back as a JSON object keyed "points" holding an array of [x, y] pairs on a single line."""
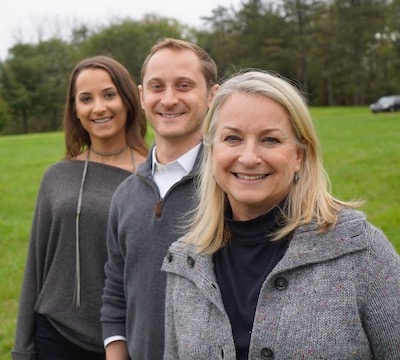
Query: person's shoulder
{"points": [[352, 234], [351, 215], [181, 245], [60, 167], [348, 221], [359, 229], [347, 235], [110, 174], [130, 189], [181, 257], [357, 221], [351, 225], [132, 180], [144, 168], [142, 173]]}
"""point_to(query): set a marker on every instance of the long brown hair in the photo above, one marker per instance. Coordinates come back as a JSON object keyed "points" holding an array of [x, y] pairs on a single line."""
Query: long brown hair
{"points": [[76, 137]]}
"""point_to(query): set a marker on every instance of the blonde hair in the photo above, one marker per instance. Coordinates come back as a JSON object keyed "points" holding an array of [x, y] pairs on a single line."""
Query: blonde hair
{"points": [[308, 200]]}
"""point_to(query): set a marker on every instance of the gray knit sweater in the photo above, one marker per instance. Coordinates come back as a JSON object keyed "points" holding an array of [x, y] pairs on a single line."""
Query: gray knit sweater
{"points": [[141, 228], [48, 285], [332, 296]]}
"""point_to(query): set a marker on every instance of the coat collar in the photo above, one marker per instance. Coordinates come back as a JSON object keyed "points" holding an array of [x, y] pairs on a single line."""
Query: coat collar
{"points": [[307, 246]]}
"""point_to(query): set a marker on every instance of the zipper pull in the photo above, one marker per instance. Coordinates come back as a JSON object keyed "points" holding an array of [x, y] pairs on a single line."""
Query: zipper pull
{"points": [[158, 208]]}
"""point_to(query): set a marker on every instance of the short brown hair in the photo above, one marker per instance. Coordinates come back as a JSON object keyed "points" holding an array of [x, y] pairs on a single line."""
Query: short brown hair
{"points": [[208, 64]]}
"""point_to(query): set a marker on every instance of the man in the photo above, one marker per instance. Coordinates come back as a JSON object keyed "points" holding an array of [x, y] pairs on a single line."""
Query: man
{"points": [[179, 80]]}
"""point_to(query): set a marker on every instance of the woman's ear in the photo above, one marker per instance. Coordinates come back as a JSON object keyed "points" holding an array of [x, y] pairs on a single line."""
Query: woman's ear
{"points": [[300, 153]]}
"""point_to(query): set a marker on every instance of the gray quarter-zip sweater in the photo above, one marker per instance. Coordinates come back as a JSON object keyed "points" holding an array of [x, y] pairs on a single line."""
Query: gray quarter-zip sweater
{"points": [[332, 296], [142, 226]]}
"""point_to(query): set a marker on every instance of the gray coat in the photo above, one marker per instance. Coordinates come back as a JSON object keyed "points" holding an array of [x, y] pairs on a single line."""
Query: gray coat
{"points": [[332, 296]]}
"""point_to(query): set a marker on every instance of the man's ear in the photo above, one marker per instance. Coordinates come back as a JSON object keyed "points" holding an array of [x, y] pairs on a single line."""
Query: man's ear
{"points": [[212, 93], [140, 88]]}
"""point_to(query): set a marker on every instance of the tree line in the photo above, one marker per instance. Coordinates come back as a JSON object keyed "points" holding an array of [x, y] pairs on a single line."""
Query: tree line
{"points": [[338, 52]]}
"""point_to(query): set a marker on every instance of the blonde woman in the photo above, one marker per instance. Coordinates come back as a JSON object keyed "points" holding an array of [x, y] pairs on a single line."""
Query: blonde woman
{"points": [[273, 266]]}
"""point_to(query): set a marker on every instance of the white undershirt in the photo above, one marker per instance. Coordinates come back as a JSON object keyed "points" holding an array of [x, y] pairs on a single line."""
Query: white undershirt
{"points": [[165, 176]]}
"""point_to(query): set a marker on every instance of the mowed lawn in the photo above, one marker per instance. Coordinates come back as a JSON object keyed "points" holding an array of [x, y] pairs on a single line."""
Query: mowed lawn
{"points": [[361, 154]]}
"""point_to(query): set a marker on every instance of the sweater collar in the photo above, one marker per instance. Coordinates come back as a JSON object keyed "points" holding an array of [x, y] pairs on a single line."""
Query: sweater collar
{"points": [[186, 161], [145, 168]]}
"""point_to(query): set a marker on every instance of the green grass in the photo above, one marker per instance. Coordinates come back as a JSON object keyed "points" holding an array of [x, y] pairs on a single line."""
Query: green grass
{"points": [[361, 155], [23, 160]]}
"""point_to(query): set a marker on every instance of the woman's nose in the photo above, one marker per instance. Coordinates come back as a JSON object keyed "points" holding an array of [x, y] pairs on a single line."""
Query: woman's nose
{"points": [[249, 156], [99, 106]]}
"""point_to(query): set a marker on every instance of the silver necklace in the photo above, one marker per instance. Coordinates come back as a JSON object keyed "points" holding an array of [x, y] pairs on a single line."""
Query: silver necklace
{"points": [[112, 153], [77, 290]]}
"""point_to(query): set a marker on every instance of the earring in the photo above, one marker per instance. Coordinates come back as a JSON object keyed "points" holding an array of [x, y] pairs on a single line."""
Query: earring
{"points": [[296, 178]]}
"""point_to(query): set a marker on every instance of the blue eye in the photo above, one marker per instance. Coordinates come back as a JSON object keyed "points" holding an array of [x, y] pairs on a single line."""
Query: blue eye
{"points": [[270, 140], [232, 139]]}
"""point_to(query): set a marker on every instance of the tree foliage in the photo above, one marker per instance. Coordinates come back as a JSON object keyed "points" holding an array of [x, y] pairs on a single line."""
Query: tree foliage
{"points": [[129, 41], [339, 52], [5, 114], [33, 82]]}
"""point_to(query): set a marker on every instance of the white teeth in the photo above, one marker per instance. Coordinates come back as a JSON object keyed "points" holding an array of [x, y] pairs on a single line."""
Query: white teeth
{"points": [[171, 115], [250, 177], [102, 121]]}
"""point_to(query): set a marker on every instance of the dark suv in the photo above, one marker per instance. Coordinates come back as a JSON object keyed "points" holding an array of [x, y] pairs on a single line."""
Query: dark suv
{"points": [[386, 103]]}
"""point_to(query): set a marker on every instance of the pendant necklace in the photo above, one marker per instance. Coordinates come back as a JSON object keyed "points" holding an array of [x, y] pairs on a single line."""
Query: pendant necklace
{"points": [[77, 290]]}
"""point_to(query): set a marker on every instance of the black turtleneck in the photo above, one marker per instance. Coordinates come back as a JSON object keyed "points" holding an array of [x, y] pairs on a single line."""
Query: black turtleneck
{"points": [[241, 268]]}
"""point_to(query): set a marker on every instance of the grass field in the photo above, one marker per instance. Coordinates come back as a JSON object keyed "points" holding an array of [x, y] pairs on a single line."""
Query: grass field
{"points": [[361, 155]]}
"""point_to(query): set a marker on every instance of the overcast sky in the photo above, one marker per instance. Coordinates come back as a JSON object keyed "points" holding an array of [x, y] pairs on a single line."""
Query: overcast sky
{"points": [[23, 20]]}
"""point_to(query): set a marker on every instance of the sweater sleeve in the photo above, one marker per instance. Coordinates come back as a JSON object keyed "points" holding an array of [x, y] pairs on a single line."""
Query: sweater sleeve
{"points": [[24, 338], [113, 311], [382, 305]]}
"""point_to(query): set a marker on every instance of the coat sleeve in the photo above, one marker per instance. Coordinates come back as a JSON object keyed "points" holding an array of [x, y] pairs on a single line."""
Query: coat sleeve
{"points": [[382, 305], [113, 311], [24, 347], [171, 346]]}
